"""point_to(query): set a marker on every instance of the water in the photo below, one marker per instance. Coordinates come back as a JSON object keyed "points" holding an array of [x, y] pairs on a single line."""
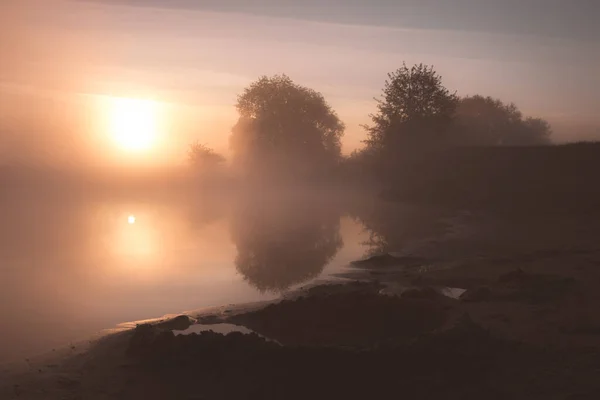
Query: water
{"points": [[217, 328], [73, 263]]}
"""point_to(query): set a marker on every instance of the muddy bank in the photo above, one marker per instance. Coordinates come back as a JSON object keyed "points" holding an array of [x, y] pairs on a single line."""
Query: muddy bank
{"points": [[347, 319], [540, 177], [350, 341], [465, 361]]}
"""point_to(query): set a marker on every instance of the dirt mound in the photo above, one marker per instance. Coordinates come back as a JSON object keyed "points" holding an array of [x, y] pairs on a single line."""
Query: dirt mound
{"points": [[465, 362], [346, 319], [425, 293]]}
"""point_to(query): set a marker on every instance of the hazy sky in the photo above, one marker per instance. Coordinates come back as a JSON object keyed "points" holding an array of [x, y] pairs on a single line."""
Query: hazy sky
{"points": [[556, 18], [198, 55]]}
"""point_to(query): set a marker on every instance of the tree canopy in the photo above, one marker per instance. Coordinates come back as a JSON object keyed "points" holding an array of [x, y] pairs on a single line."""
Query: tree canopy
{"points": [[416, 110], [415, 107], [204, 158], [487, 121], [285, 128]]}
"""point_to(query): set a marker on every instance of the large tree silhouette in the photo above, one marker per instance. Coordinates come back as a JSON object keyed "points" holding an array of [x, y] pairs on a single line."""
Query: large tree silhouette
{"points": [[415, 109], [282, 242], [284, 129]]}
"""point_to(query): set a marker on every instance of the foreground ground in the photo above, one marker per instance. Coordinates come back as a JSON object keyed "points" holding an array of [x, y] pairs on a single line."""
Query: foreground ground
{"points": [[526, 327]]}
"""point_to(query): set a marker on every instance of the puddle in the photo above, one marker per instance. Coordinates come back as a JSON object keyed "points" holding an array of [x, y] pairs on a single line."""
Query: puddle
{"points": [[216, 328], [222, 328]]}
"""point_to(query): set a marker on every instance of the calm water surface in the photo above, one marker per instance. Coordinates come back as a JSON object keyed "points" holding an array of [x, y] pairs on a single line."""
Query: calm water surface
{"points": [[71, 265]]}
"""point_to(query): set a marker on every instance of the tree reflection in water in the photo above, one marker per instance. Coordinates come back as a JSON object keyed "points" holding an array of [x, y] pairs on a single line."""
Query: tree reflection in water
{"points": [[396, 227], [283, 242]]}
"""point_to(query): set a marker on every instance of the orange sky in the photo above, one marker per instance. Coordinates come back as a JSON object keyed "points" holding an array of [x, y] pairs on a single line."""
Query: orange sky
{"points": [[59, 55]]}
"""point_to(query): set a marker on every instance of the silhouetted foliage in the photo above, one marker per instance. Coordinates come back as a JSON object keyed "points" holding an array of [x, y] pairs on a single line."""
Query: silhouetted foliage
{"points": [[282, 242], [415, 109], [204, 158], [285, 129], [486, 121], [359, 165], [536, 131]]}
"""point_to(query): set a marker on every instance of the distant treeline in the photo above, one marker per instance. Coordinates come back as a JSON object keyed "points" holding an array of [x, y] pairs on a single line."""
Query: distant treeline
{"points": [[287, 131]]}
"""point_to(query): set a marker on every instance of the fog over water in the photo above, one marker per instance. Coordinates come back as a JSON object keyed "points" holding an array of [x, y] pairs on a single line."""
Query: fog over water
{"points": [[74, 262]]}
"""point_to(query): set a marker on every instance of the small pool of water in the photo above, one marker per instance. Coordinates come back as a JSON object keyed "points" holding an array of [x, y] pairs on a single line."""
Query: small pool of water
{"points": [[222, 328], [217, 328]]}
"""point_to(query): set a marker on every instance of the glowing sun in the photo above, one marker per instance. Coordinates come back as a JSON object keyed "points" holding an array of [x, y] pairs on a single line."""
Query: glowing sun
{"points": [[133, 123]]}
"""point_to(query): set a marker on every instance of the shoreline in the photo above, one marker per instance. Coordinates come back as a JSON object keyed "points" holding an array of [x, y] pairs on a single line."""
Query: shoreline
{"points": [[539, 317], [525, 326]]}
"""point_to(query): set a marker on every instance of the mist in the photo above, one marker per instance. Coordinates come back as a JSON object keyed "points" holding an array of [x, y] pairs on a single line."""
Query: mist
{"points": [[226, 200]]}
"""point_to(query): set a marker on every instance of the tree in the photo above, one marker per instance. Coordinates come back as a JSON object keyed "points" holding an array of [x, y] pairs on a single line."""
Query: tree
{"points": [[285, 128], [359, 164], [536, 131], [486, 121], [415, 108], [203, 158]]}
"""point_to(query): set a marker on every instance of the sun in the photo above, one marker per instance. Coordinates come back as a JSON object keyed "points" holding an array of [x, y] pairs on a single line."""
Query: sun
{"points": [[133, 123]]}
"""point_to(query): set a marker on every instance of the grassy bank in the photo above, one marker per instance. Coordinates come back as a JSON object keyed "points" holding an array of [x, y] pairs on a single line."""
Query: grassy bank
{"points": [[517, 178]]}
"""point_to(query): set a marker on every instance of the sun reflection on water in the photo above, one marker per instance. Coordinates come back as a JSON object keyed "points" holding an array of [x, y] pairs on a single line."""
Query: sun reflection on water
{"points": [[136, 243]]}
